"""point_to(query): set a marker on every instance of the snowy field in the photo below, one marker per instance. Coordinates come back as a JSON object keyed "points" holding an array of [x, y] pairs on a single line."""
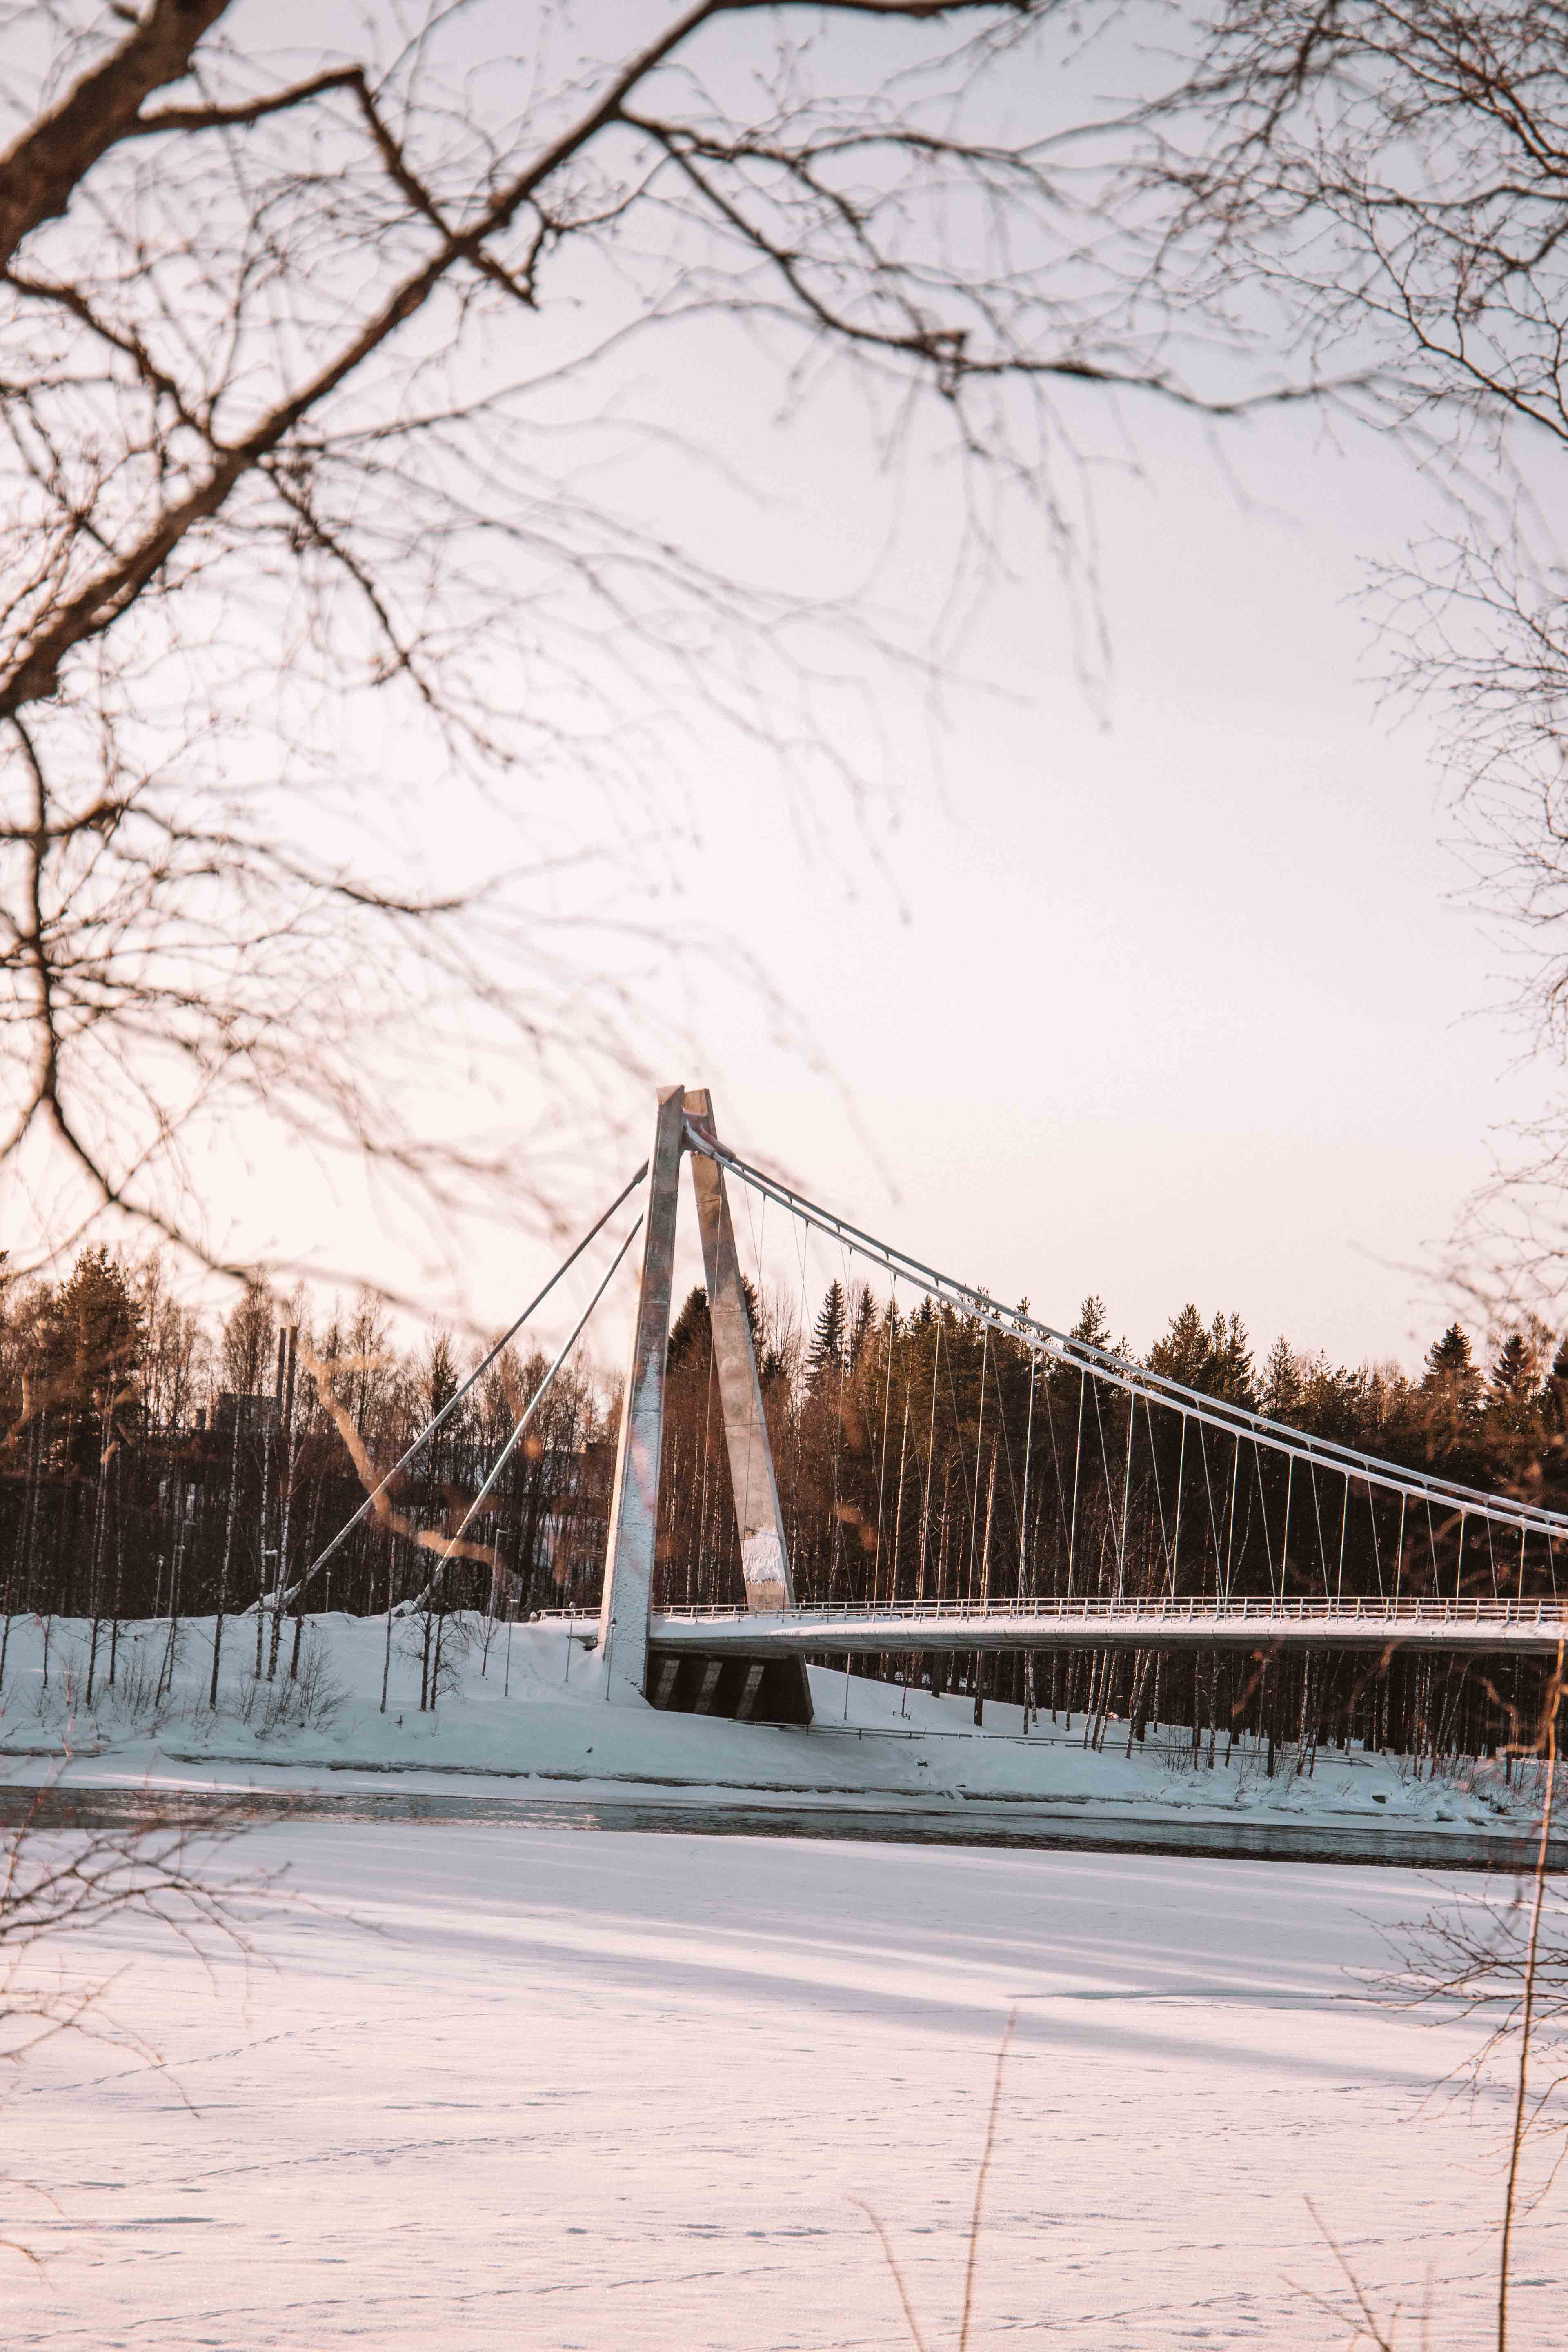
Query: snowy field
{"points": [[505, 2086], [505, 2083], [523, 1705]]}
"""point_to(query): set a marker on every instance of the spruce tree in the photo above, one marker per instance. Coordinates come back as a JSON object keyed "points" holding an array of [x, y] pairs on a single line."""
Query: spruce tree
{"points": [[1515, 1384], [1182, 1353], [691, 1331], [1451, 1371], [1554, 1396], [1451, 1396], [1216, 1358], [439, 1373], [1284, 1386], [1554, 1416], [1228, 1370], [829, 1336], [99, 1337], [864, 1322], [1513, 1401], [1513, 1376]]}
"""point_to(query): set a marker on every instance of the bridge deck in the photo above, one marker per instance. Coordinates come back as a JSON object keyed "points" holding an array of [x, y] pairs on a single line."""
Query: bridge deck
{"points": [[1527, 1626]]}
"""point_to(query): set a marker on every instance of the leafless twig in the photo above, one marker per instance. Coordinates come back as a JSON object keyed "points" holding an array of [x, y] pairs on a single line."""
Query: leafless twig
{"points": [[336, 401], [976, 2220]]}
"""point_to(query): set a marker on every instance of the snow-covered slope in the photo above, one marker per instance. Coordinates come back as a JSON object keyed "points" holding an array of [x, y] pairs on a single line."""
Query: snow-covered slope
{"points": [[527, 1702]]}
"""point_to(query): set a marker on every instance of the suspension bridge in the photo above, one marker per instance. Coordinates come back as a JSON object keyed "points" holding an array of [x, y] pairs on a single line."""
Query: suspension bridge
{"points": [[1271, 1511]]}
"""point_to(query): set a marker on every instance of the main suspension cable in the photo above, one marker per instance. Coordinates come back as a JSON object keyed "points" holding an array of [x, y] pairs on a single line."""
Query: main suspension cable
{"points": [[1216, 1412]]}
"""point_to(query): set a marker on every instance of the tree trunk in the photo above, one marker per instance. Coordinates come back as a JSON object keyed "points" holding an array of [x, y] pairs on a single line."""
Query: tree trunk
{"points": [[386, 1657], [227, 1554]]}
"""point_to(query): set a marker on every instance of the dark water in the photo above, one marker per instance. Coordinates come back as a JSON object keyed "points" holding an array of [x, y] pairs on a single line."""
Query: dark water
{"points": [[976, 1824]]}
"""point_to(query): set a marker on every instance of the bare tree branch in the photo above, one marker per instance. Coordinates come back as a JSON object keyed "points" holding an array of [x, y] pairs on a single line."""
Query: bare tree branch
{"points": [[345, 402], [41, 171]]}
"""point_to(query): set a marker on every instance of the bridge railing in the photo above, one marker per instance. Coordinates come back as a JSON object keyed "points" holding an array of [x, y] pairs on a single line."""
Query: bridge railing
{"points": [[1291, 1608]]}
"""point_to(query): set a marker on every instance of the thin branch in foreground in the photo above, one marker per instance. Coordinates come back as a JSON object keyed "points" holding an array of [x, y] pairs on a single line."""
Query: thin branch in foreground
{"points": [[1367, 2324], [1527, 2017], [59, 1883], [980, 2180], [880, 2227], [310, 439], [976, 2218]]}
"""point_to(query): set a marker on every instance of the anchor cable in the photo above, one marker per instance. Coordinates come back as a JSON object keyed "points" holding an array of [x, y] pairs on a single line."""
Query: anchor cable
{"points": [[456, 1398]]}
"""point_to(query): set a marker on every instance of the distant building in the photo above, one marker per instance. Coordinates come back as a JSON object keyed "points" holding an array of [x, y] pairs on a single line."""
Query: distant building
{"points": [[256, 1416]]}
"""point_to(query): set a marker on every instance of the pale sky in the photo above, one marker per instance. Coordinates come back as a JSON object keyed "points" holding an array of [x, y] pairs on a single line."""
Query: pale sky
{"points": [[1165, 990], [1161, 986], [1181, 1004], [1164, 987]]}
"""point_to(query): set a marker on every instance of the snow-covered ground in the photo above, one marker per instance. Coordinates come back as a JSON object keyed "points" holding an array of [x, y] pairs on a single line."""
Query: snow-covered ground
{"points": [[522, 1705], [513, 2086]]}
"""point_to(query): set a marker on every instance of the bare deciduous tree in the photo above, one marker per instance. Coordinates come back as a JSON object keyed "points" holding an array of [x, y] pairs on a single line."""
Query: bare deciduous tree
{"points": [[1394, 175], [60, 1878], [1382, 186], [1506, 1965], [344, 465], [63, 1878]]}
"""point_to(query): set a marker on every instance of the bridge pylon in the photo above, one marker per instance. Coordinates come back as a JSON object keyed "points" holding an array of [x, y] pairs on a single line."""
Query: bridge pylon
{"points": [[631, 1678], [634, 1498], [764, 1556]]}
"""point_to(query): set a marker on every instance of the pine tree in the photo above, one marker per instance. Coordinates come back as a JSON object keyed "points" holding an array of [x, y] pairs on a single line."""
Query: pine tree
{"points": [[1093, 1329], [1092, 1326]]}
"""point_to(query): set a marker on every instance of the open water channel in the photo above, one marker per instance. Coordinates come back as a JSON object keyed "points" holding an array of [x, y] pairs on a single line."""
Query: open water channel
{"points": [[1058, 1825]]}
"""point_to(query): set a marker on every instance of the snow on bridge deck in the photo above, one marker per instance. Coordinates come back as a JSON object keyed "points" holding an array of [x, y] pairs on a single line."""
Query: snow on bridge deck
{"points": [[1524, 1626]]}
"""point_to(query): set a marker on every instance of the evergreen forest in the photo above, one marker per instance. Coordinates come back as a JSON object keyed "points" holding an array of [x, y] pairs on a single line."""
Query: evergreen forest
{"points": [[160, 1463]]}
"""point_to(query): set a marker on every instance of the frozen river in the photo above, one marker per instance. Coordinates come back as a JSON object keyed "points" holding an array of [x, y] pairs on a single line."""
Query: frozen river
{"points": [[507, 2085]]}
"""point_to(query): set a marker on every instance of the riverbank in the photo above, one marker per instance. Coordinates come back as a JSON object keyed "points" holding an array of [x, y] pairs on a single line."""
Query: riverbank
{"points": [[519, 1719]]}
